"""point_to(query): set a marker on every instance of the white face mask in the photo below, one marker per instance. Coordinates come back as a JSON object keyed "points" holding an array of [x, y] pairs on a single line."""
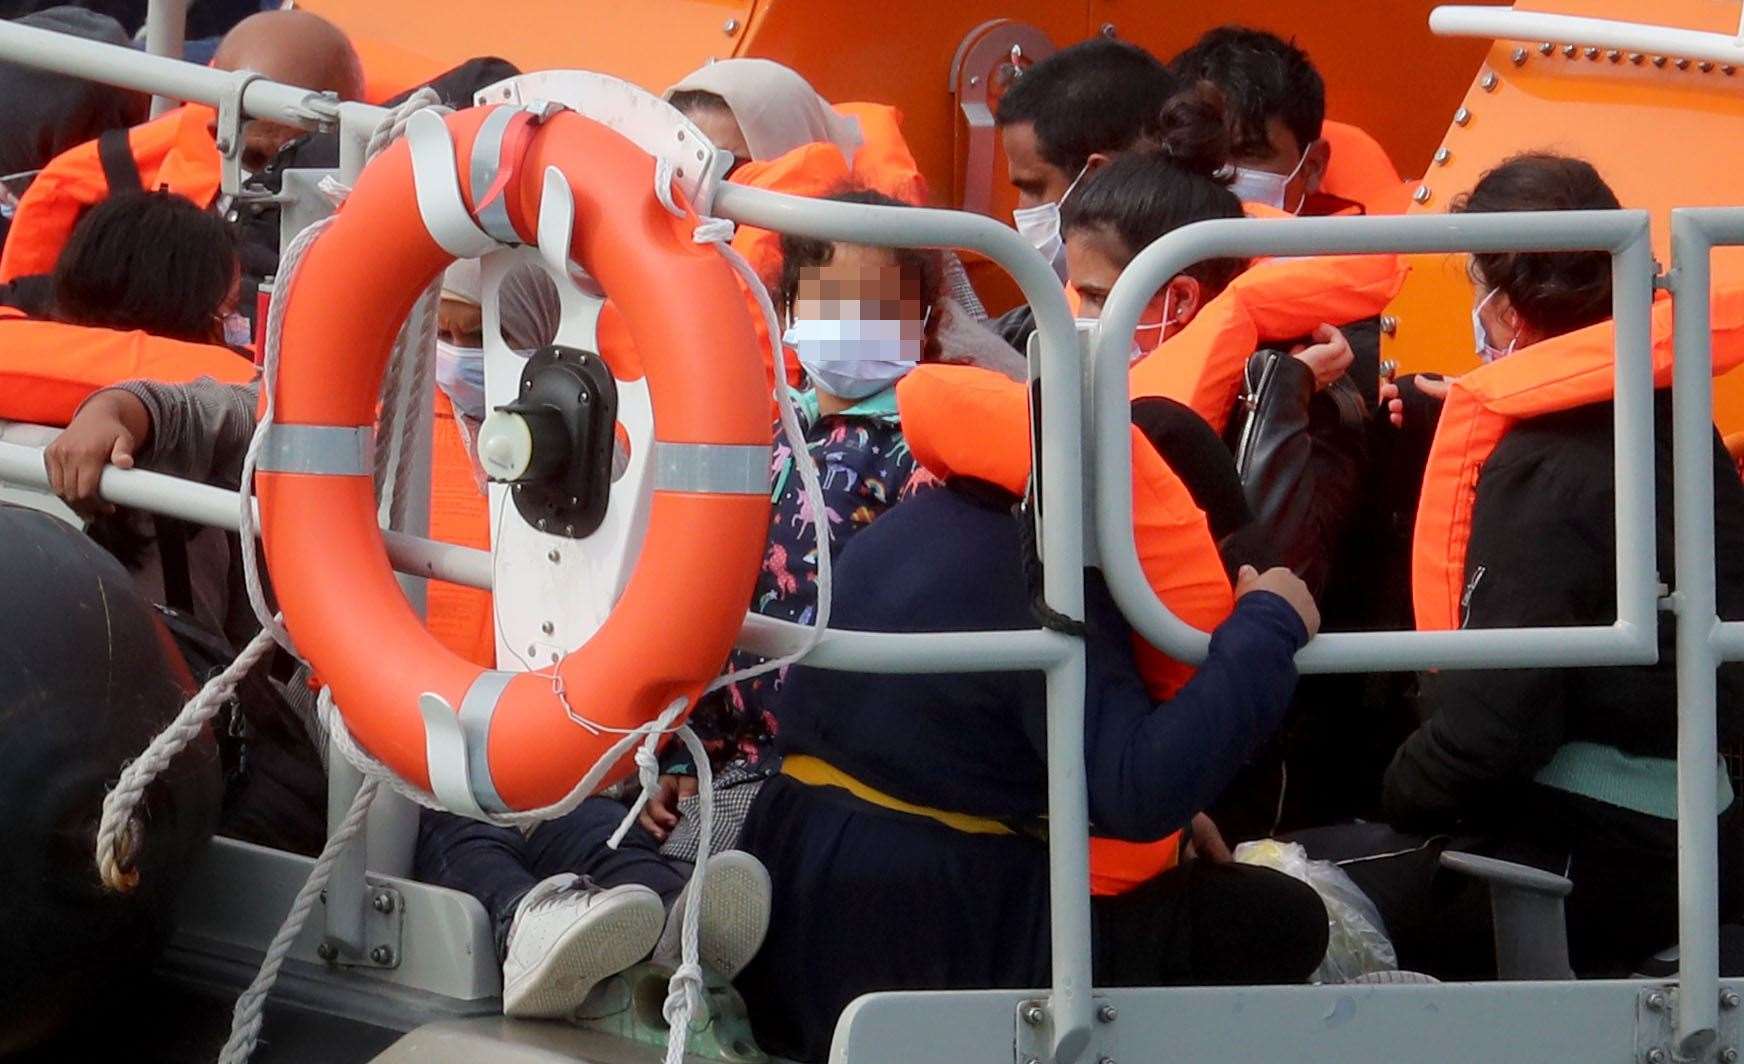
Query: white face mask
{"points": [[1145, 338], [1263, 186], [1040, 225], [1487, 351], [853, 358], [460, 373]]}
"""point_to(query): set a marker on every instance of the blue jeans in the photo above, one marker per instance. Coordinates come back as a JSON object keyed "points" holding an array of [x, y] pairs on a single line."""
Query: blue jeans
{"points": [[499, 865]]}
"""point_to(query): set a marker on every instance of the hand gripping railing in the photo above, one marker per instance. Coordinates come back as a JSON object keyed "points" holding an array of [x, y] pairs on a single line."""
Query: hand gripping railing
{"points": [[1632, 640]]}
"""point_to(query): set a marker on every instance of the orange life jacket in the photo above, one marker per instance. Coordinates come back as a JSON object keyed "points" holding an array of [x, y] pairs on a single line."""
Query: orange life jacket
{"points": [[1361, 171], [1273, 300], [459, 617], [176, 151], [1560, 373], [964, 421], [884, 161], [47, 369]]}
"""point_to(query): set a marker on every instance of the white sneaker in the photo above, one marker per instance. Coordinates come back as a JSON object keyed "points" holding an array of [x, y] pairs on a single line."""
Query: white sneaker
{"points": [[732, 921], [566, 938]]}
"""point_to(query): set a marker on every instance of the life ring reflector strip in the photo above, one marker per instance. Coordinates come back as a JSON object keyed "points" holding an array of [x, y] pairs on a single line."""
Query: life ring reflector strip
{"points": [[514, 740]]}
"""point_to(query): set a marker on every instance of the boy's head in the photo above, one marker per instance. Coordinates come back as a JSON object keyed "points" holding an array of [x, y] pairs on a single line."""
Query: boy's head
{"points": [[1094, 99], [1276, 104]]}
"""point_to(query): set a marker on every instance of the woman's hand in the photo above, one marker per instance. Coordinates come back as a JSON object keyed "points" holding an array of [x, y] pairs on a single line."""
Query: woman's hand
{"points": [[1435, 388], [1207, 842], [1284, 584], [1329, 356], [660, 815], [106, 431]]}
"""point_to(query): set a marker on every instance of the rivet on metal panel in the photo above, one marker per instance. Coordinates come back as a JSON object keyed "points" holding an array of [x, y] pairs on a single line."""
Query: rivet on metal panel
{"points": [[1107, 1014], [1105, 1060], [383, 955], [1034, 1015], [1728, 1055], [548, 628], [1568, 51], [1546, 48], [553, 557], [1422, 194], [1109, 30], [1614, 56], [1389, 324], [1489, 81], [1659, 61], [383, 902], [1441, 156], [1461, 116], [730, 27], [1728, 70], [327, 951], [1729, 999], [1519, 57], [1655, 1056], [1656, 1001], [1682, 64], [974, 80], [1705, 66], [1636, 58], [1590, 51]]}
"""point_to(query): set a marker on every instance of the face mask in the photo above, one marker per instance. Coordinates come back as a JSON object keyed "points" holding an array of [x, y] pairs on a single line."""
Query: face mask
{"points": [[460, 373], [237, 331], [1487, 351], [1145, 338], [854, 358], [1040, 225], [1263, 186]]}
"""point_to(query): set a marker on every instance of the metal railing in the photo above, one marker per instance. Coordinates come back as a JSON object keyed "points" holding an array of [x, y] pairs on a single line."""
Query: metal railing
{"points": [[1632, 640], [1510, 24]]}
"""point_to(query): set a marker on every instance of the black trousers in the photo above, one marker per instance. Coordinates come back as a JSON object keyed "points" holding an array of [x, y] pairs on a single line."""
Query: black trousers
{"points": [[1623, 865]]}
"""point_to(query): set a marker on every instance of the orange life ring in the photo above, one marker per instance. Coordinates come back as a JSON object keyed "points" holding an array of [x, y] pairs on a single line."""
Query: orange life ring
{"points": [[682, 607]]}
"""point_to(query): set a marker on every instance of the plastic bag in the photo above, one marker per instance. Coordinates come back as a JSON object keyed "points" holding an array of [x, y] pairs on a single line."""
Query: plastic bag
{"points": [[1357, 942]]}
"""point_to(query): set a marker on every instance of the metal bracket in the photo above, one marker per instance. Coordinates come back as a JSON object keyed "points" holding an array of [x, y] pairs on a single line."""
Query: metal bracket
{"points": [[1034, 1042], [231, 119], [1656, 1028], [989, 58], [383, 924]]}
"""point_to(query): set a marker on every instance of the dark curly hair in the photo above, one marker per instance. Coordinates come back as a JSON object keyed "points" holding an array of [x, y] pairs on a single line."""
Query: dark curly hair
{"points": [[1554, 291], [920, 265]]}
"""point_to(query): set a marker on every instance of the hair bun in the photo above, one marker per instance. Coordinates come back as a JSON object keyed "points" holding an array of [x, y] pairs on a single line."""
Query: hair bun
{"points": [[1191, 132]]}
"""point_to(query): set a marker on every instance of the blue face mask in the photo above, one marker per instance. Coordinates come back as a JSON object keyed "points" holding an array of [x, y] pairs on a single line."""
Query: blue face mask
{"points": [[460, 373], [854, 358], [237, 331]]}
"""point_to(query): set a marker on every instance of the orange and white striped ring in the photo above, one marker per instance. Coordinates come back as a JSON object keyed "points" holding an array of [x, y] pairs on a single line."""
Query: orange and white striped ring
{"points": [[461, 186]]}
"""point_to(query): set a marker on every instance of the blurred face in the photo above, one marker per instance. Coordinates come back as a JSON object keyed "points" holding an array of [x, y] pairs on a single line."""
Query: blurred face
{"points": [[1095, 260], [1503, 328], [262, 140], [859, 283], [722, 130], [1037, 181]]}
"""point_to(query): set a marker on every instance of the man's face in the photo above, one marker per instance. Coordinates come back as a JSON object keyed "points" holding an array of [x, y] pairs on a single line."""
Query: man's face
{"points": [[1284, 155], [1037, 181]]}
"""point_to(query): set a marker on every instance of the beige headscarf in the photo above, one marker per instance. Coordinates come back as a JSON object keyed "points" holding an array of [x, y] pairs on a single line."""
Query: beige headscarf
{"points": [[776, 108]]}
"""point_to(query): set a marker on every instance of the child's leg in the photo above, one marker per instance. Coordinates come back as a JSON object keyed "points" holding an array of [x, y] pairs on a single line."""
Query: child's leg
{"points": [[576, 842], [488, 862]]}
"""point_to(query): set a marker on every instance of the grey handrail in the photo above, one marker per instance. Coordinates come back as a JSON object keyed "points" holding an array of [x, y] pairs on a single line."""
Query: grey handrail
{"points": [[1633, 639]]}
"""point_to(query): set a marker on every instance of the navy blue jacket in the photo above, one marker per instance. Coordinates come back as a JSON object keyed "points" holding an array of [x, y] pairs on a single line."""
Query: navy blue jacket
{"points": [[951, 560]]}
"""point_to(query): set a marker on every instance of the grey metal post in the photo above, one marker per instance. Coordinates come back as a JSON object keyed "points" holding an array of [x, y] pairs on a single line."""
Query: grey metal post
{"points": [[1061, 546], [1697, 619], [1632, 640], [166, 30], [110, 64]]}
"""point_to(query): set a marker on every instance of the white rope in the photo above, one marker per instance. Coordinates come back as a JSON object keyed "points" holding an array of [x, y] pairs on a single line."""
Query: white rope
{"points": [[251, 1006], [117, 831]]}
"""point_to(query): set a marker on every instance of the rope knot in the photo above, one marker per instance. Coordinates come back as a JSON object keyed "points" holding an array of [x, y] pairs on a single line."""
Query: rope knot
{"points": [[684, 998]]}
